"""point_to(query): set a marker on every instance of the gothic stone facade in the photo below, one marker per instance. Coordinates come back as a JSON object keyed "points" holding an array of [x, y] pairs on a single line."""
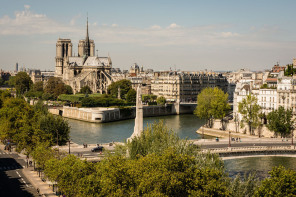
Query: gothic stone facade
{"points": [[86, 69]]}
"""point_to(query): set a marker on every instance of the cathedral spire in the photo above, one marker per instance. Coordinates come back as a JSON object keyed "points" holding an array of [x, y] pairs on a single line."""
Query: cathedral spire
{"points": [[87, 38], [87, 44]]}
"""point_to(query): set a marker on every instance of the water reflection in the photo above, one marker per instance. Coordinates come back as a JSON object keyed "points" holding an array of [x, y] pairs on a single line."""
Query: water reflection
{"points": [[260, 165], [83, 132]]}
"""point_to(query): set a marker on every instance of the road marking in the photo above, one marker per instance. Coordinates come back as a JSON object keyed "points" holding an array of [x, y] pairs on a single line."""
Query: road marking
{"points": [[25, 182], [18, 174]]}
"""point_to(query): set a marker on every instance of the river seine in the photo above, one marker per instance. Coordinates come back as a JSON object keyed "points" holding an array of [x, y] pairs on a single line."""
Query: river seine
{"points": [[92, 133], [185, 126]]}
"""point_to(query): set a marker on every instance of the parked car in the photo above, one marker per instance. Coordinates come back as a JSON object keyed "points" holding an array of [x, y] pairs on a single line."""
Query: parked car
{"points": [[97, 149]]}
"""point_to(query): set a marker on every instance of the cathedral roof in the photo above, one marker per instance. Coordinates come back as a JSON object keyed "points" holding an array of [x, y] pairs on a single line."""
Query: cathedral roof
{"points": [[90, 61], [77, 60], [93, 61]]}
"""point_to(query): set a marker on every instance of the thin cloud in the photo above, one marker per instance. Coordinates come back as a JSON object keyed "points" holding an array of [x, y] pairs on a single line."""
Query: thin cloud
{"points": [[173, 25], [28, 23], [74, 19]]}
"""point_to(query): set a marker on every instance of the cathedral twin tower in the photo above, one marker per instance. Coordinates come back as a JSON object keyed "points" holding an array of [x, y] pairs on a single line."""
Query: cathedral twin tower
{"points": [[86, 48], [85, 69]]}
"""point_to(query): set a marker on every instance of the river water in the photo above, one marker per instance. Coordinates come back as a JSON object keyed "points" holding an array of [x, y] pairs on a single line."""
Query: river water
{"points": [[92, 133], [185, 126], [260, 165]]}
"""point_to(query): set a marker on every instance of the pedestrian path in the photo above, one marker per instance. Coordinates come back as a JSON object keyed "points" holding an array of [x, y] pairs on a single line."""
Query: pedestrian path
{"points": [[45, 188]]}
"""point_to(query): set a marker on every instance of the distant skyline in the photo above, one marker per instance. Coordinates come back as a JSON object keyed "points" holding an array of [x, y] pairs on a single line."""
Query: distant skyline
{"points": [[187, 35]]}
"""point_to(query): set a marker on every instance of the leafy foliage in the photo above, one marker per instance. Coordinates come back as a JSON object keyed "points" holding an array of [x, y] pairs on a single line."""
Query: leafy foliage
{"points": [[161, 100], [290, 70], [103, 101], [280, 183], [244, 187], [176, 169], [124, 84], [11, 81], [249, 109], [23, 82], [55, 87], [148, 98], [212, 103], [155, 139], [29, 126], [131, 96], [85, 90], [280, 121]]}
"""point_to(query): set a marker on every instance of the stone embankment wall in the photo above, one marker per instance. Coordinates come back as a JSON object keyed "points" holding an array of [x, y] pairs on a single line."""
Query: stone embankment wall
{"points": [[100, 114], [264, 131]]}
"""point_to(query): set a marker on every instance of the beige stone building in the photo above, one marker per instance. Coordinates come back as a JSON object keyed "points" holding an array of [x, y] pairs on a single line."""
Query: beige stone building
{"points": [[184, 86], [86, 69]]}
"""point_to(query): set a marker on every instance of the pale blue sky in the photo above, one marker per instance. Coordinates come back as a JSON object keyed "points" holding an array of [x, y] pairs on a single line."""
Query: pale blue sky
{"points": [[158, 34]]}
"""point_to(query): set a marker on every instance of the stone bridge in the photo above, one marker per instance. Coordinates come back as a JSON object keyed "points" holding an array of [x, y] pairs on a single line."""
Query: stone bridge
{"points": [[253, 151]]}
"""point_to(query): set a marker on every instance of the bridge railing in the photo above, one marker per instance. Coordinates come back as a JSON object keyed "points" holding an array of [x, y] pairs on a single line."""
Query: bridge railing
{"points": [[248, 148]]}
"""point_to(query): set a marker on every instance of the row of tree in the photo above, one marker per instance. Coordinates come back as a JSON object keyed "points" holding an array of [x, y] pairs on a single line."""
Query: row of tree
{"points": [[212, 103], [157, 163], [280, 121], [27, 126]]}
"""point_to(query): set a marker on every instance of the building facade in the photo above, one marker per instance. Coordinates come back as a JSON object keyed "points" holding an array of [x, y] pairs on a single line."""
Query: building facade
{"points": [[85, 69], [184, 86]]}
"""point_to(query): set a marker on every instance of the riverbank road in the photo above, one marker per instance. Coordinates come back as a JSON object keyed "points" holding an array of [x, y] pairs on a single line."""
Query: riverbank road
{"points": [[13, 182], [243, 142], [84, 152]]}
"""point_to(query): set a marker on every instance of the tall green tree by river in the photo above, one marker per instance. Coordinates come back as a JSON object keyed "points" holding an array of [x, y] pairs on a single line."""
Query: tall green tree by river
{"points": [[281, 121], [250, 110], [212, 104]]}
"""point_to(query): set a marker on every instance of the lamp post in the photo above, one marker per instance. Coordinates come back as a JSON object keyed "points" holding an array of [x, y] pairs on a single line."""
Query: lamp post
{"points": [[203, 135], [69, 146], [292, 137], [229, 144]]}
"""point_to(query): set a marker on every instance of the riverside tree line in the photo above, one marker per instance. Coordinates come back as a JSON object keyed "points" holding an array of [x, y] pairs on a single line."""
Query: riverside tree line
{"points": [[212, 103], [55, 89], [157, 163]]}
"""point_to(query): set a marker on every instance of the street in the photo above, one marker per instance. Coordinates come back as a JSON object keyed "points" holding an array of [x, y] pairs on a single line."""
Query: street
{"points": [[12, 180]]}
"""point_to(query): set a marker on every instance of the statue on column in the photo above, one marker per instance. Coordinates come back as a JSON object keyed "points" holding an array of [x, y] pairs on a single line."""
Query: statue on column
{"points": [[139, 115]]}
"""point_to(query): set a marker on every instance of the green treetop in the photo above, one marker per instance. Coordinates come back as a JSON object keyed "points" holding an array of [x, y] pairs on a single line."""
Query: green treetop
{"points": [[212, 103], [249, 109], [280, 121], [23, 82]]}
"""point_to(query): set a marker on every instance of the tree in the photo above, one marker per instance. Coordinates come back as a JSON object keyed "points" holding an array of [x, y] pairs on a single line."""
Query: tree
{"points": [[124, 84], [11, 81], [85, 90], [161, 100], [155, 139], [280, 121], [289, 71], [131, 96], [212, 103], [171, 171], [1, 81], [38, 86], [280, 183], [55, 86], [23, 82], [42, 153], [69, 89], [249, 109], [54, 129]]}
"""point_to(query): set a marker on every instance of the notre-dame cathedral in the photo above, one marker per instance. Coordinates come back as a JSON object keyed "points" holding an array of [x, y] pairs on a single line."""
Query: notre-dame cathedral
{"points": [[86, 69]]}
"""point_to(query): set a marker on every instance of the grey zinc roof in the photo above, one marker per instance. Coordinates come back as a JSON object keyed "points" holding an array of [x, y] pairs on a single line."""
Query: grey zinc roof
{"points": [[77, 60], [92, 61]]}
